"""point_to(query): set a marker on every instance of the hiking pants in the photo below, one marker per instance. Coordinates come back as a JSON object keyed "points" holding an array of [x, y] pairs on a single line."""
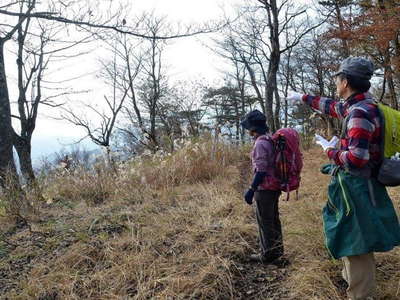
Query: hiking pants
{"points": [[359, 272], [269, 225]]}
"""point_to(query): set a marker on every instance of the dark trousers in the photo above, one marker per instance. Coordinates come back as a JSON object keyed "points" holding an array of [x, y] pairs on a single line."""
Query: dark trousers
{"points": [[269, 224]]}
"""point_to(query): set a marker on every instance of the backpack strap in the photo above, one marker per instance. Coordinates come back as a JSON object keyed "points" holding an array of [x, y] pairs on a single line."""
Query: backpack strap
{"points": [[288, 195], [266, 137], [353, 107], [366, 171], [371, 193]]}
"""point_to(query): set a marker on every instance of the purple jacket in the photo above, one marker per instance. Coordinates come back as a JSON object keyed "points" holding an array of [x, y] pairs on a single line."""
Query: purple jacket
{"points": [[262, 158]]}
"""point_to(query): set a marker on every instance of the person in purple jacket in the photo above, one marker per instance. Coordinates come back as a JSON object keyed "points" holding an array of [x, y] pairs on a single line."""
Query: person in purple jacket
{"points": [[266, 199]]}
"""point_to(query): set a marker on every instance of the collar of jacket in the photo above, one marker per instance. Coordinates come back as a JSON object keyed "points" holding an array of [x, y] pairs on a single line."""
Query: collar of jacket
{"points": [[263, 137], [357, 97]]}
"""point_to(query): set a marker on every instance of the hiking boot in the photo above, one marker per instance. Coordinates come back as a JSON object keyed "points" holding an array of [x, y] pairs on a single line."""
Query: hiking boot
{"points": [[262, 259], [281, 262]]}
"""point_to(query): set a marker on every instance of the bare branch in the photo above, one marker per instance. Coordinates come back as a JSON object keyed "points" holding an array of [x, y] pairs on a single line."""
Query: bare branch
{"points": [[15, 117], [9, 4], [300, 37], [22, 18], [120, 29], [53, 105]]}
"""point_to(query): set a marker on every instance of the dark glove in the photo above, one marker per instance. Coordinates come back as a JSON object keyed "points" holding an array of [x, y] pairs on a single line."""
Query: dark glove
{"points": [[258, 179], [248, 197]]}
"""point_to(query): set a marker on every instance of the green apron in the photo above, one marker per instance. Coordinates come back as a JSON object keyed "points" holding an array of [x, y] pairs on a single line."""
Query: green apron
{"points": [[354, 222]]}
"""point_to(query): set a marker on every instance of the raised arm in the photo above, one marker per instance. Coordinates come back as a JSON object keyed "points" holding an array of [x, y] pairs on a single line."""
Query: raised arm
{"points": [[325, 105]]}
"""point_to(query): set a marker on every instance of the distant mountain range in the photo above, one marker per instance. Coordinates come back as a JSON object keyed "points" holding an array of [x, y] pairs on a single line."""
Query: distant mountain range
{"points": [[47, 147]]}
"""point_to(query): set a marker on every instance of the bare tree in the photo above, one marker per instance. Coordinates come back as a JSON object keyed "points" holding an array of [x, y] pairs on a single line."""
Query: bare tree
{"points": [[179, 115], [259, 39], [101, 121], [7, 164], [242, 69], [309, 69], [188, 95], [84, 16], [32, 58], [146, 96], [226, 106], [38, 44]]}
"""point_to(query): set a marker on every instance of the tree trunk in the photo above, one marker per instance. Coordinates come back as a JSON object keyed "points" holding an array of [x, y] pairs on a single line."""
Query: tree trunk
{"points": [[7, 165], [286, 88], [388, 73], [237, 122], [286, 120], [9, 181], [396, 44], [23, 147], [345, 45], [277, 110], [240, 78], [255, 85], [269, 112], [242, 111], [392, 90], [273, 67]]}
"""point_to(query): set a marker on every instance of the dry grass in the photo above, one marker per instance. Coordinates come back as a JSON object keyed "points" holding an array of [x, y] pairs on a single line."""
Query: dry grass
{"points": [[173, 227]]}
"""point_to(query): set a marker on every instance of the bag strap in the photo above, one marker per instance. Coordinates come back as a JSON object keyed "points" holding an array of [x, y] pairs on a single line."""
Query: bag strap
{"points": [[288, 195], [371, 192], [367, 170], [353, 107]]}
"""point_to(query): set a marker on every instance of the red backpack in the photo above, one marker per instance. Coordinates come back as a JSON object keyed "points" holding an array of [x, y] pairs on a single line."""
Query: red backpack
{"points": [[288, 161]]}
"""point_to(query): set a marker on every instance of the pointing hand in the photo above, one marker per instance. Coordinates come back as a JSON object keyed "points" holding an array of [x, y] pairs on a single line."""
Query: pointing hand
{"points": [[294, 98]]}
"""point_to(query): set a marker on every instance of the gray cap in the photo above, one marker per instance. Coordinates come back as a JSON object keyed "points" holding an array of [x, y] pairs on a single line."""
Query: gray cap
{"points": [[358, 67]]}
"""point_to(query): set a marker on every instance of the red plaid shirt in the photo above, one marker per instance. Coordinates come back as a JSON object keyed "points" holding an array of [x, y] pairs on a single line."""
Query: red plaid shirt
{"points": [[362, 140]]}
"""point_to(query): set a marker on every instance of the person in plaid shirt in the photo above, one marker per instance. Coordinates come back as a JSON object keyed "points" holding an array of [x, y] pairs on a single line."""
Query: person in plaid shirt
{"points": [[355, 225], [361, 143]]}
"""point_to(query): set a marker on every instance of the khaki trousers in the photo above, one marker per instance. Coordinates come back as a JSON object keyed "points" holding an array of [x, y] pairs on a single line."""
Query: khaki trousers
{"points": [[359, 272]]}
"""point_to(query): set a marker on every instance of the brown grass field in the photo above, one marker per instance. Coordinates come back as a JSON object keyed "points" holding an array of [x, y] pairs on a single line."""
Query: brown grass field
{"points": [[173, 227]]}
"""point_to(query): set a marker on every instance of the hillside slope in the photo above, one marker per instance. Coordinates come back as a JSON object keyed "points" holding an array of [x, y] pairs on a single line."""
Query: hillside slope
{"points": [[173, 227]]}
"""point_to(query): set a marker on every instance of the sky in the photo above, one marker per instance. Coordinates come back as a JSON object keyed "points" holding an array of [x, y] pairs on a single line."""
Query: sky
{"points": [[187, 58]]}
